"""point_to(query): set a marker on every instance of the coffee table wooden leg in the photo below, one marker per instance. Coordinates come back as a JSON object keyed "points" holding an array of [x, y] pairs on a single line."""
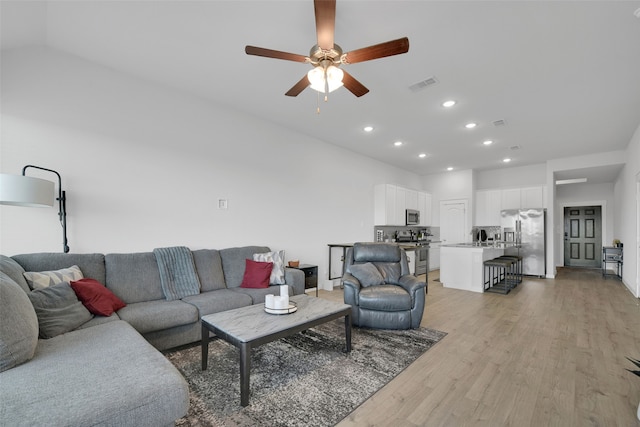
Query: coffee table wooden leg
{"points": [[245, 370], [205, 347], [347, 331]]}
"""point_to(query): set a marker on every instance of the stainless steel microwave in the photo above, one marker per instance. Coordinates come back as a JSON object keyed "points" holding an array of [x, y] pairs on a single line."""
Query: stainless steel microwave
{"points": [[412, 217]]}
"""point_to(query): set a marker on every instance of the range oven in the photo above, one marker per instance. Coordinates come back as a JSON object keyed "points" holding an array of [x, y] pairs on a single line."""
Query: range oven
{"points": [[422, 260]]}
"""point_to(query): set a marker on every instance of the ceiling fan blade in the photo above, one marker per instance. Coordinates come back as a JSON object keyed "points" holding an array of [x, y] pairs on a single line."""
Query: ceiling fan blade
{"points": [[299, 87], [270, 53], [354, 86], [390, 48], [325, 22]]}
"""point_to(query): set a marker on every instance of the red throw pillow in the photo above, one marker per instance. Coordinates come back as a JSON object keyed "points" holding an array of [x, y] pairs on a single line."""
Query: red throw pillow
{"points": [[96, 297], [256, 274]]}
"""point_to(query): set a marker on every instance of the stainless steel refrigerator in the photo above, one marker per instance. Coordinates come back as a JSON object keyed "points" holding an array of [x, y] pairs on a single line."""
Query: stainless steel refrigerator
{"points": [[526, 229]]}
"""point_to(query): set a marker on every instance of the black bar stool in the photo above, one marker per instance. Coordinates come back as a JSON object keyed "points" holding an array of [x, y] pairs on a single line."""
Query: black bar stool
{"points": [[499, 275], [517, 273]]}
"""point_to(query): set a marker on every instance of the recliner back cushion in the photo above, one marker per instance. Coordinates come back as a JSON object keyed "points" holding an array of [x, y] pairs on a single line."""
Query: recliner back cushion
{"points": [[376, 252], [134, 277], [209, 268], [390, 271]]}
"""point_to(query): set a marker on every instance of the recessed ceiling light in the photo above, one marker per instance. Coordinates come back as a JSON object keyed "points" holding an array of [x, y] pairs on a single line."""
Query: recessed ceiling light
{"points": [[470, 125], [488, 142], [449, 103], [422, 155], [368, 128], [507, 160], [450, 168], [397, 143]]}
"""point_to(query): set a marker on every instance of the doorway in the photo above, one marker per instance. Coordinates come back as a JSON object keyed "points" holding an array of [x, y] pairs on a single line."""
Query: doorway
{"points": [[453, 221], [583, 236]]}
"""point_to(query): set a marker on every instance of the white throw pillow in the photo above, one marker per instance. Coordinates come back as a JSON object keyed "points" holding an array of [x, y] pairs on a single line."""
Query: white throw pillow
{"points": [[44, 279], [277, 258]]}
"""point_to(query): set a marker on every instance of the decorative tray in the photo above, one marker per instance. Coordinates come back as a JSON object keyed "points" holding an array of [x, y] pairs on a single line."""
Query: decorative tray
{"points": [[291, 309]]}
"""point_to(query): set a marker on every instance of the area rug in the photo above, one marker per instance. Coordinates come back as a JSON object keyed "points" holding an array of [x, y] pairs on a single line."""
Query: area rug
{"points": [[303, 380]]}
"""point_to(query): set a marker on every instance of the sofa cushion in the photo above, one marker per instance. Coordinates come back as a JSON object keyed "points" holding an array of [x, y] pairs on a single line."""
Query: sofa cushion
{"points": [[256, 274], [209, 268], [45, 279], [133, 277], [258, 294], [15, 271], [367, 274], [277, 259], [58, 310], [233, 263], [218, 300], [98, 299], [91, 265], [107, 375], [18, 325], [153, 316]]}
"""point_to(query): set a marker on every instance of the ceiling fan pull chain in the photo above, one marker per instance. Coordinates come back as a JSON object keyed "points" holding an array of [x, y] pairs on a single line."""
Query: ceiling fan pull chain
{"points": [[318, 103]]}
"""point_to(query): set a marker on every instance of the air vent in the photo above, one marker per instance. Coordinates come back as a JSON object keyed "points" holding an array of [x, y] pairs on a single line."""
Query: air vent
{"points": [[423, 84], [514, 147], [500, 122]]}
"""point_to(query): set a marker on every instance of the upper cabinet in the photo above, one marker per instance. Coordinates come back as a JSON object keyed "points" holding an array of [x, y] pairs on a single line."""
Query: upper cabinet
{"points": [[488, 207], [532, 197], [391, 202], [489, 203], [424, 206]]}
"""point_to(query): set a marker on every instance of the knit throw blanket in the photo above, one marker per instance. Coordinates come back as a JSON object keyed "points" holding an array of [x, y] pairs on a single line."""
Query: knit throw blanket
{"points": [[178, 275]]}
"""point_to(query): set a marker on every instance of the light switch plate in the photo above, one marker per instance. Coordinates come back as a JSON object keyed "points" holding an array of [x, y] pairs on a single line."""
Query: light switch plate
{"points": [[222, 203]]}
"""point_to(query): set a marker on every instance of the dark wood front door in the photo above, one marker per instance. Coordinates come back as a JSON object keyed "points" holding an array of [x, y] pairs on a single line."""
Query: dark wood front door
{"points": [[583, 236]]}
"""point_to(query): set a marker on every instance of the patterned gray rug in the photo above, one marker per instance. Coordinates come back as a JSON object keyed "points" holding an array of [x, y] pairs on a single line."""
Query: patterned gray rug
{"points": [[302, 380]]}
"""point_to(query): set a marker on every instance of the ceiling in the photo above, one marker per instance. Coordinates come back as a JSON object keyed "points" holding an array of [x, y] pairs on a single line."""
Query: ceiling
{"points": [[562, 75]]}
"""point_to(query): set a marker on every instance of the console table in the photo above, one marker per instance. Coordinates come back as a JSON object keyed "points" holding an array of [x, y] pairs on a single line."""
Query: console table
{"points": [[612, 255]]}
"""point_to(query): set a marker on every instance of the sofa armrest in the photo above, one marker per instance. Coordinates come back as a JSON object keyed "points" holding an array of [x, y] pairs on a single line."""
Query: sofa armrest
{"points": [[295, 279], [352, 288]]}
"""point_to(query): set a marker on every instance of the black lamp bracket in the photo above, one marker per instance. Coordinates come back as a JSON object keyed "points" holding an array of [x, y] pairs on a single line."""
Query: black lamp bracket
{"points": [[62, 204]]}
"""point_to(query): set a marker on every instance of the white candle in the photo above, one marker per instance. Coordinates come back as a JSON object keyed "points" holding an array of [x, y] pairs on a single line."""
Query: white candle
{"points": [[278, 302], [269, 301], [284, 291], [285, 301]]}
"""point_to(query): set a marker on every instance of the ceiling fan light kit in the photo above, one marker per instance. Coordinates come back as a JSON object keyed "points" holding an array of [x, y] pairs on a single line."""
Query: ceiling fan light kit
{"points": [[326, 56]]}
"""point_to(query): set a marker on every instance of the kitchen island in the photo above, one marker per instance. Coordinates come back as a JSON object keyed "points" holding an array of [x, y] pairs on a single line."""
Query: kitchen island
{"points": [[461, 265]]}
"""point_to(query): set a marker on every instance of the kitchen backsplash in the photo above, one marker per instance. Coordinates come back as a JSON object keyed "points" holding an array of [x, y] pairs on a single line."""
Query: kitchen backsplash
{"points": [[382, 233]]}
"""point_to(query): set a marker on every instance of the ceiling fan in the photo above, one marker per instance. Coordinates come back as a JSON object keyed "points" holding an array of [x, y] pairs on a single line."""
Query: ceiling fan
{"points": [[326, 56]]}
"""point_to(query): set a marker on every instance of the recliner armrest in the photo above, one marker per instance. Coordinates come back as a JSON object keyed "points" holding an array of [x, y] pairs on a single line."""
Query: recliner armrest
{"points": [[411, 284], [352, 288]]}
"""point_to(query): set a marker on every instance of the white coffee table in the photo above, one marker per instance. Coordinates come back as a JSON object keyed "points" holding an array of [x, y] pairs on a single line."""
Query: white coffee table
{"points": [[251, 326]]}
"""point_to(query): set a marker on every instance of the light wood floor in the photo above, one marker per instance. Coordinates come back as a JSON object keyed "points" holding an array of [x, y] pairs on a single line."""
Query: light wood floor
{"points": [[550, 353]]}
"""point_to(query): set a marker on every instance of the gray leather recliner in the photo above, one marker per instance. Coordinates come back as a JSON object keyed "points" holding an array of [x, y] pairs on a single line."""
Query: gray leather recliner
{"points": [[380, 289]]}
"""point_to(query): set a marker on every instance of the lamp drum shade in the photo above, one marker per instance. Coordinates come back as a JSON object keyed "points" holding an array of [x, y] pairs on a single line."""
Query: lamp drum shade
{"points": [[20, 190]]}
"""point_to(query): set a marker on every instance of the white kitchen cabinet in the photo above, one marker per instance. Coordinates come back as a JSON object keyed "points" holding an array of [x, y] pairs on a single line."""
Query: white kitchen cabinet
{"points": [[385, 204], [424, 206], [488, 207], [401, 206], [411, 199], [511, 198], [434, 256], [531, 197]]}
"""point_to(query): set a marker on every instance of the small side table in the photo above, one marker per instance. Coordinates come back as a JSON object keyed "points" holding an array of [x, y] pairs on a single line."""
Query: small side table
{"points": [[612, 255], [310, 276]]}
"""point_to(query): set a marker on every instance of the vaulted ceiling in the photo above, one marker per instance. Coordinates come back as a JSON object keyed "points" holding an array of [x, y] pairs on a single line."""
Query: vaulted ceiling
{"points": [[561, 78]]}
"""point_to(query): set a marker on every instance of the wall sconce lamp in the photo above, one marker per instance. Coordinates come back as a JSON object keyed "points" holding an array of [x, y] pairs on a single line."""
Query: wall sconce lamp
{"points": [[22, 190]]}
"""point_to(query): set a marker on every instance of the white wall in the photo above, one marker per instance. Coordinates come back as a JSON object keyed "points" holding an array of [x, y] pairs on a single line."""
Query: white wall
{"points": [[514, 177], [626, 214], [144, 166], [586, 195], [454, 185]]}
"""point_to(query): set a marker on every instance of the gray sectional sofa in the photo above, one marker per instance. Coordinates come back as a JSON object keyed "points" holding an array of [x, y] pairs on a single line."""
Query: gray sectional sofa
{"points": [[108, 371]]}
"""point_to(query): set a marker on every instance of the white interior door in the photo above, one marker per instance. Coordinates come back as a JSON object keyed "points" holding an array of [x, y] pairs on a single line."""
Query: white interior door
{"points": [[453, 221]]}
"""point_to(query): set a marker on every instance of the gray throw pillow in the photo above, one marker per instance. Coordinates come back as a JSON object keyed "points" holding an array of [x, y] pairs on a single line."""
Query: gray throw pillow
{"points": [[18, 325], [59, 310], [367, 274]]}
